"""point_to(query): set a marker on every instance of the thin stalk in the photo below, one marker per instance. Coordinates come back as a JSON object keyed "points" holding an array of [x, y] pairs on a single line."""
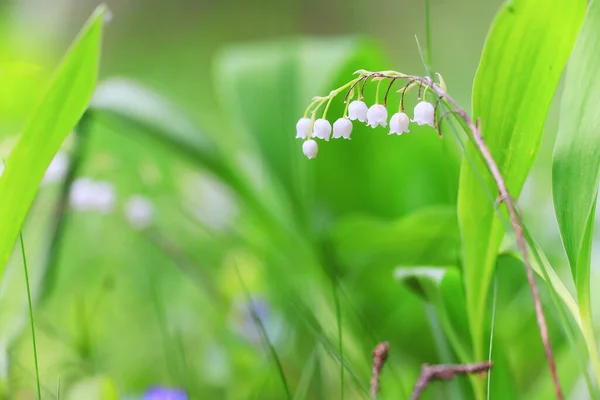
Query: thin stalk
{"points": [[338, 312], [428, 32], [31, 322], [264, 335]]}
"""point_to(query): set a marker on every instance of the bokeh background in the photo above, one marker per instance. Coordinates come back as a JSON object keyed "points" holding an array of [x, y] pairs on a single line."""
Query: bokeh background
{"points": [[121, 309]]}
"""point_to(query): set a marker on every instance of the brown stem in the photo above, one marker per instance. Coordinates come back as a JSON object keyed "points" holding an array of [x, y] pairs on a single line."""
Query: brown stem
{"points": [[379, 356], [515, 221], [445, 372]]}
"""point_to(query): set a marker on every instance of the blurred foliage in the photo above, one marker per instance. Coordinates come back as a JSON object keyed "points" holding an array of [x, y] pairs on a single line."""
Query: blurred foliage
{"points": [[263, 273]]}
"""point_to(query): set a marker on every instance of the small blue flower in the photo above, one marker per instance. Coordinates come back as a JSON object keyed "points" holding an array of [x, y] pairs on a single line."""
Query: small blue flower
{"points": [[163, 393]]}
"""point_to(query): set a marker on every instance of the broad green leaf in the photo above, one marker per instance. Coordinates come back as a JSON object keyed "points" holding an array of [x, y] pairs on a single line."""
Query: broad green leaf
{"points": [[50, 122], [425, 237], [576, 166], [442, 287], [522, 61]]}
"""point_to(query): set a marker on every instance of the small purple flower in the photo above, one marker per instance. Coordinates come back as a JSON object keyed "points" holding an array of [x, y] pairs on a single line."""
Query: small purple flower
{"points": [[164, 393]]}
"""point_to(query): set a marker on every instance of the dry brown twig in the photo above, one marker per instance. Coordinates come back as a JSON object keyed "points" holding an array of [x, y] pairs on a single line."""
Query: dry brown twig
{"points": [[504, 197], [445, 372], [379, 357]]}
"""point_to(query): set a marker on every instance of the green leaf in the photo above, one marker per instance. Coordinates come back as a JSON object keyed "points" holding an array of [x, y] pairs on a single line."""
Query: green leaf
{"points": [[441, 287], [425, 237], [576, 166], [53, 118], [522, 61]]}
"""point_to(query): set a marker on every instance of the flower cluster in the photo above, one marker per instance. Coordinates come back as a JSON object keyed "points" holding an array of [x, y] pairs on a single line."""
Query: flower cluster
{"points": [[313, 128]]}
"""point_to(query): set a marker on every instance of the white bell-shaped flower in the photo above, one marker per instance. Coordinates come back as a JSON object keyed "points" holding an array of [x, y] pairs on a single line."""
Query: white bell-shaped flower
{"points": [[303, 128], [358, 110], [342, 128], [322, 129], [424, 114], [377, 115], [399, 123], [310, 148]]}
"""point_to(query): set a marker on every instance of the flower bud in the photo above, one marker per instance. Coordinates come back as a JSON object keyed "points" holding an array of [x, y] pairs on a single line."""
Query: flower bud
{"points": [[310, 148]]}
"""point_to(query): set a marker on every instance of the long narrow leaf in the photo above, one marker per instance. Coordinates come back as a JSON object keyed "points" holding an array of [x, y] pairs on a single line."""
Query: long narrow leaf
{"points": [[50, 122], [524, 55], [576, 168]]}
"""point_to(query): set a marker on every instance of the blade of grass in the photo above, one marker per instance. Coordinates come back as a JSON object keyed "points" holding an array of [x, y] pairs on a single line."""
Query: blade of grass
{"points": [[338, 314], [264, 335], [527, 43], [31, 321], [305, 379], [52, 119], [428, 33], [489, 375], [576, 167]]}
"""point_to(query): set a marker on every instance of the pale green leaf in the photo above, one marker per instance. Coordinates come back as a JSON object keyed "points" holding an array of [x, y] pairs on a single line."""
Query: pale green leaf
{"points": [[522, 61], [576, 167]]}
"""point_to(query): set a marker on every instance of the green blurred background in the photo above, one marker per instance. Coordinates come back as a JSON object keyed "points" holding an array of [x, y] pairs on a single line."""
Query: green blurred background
{"points": [[123, 310]]}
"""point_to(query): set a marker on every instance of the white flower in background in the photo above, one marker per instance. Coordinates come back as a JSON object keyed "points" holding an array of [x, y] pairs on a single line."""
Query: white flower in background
{"points": [[399, 123], [322, 129], [104, 197], [57, 169], [88, 195], [1, 168], [303, 128], [139, 211], [209, 200], [342, 128], [424, 113], [310, 148], [377, 115], [358, 110]]}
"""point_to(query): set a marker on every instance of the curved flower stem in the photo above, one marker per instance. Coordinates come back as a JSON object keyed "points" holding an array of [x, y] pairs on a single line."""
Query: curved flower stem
{"points": [[505, 197], [515, 221]]}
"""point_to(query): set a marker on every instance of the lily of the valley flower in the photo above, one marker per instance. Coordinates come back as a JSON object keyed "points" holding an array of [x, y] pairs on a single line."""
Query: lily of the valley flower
{"points": [[424, 114], [358, 110], [322, 129], [303, 128], [377, 115], [399, 124], [310, 148], [342, 128]]}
